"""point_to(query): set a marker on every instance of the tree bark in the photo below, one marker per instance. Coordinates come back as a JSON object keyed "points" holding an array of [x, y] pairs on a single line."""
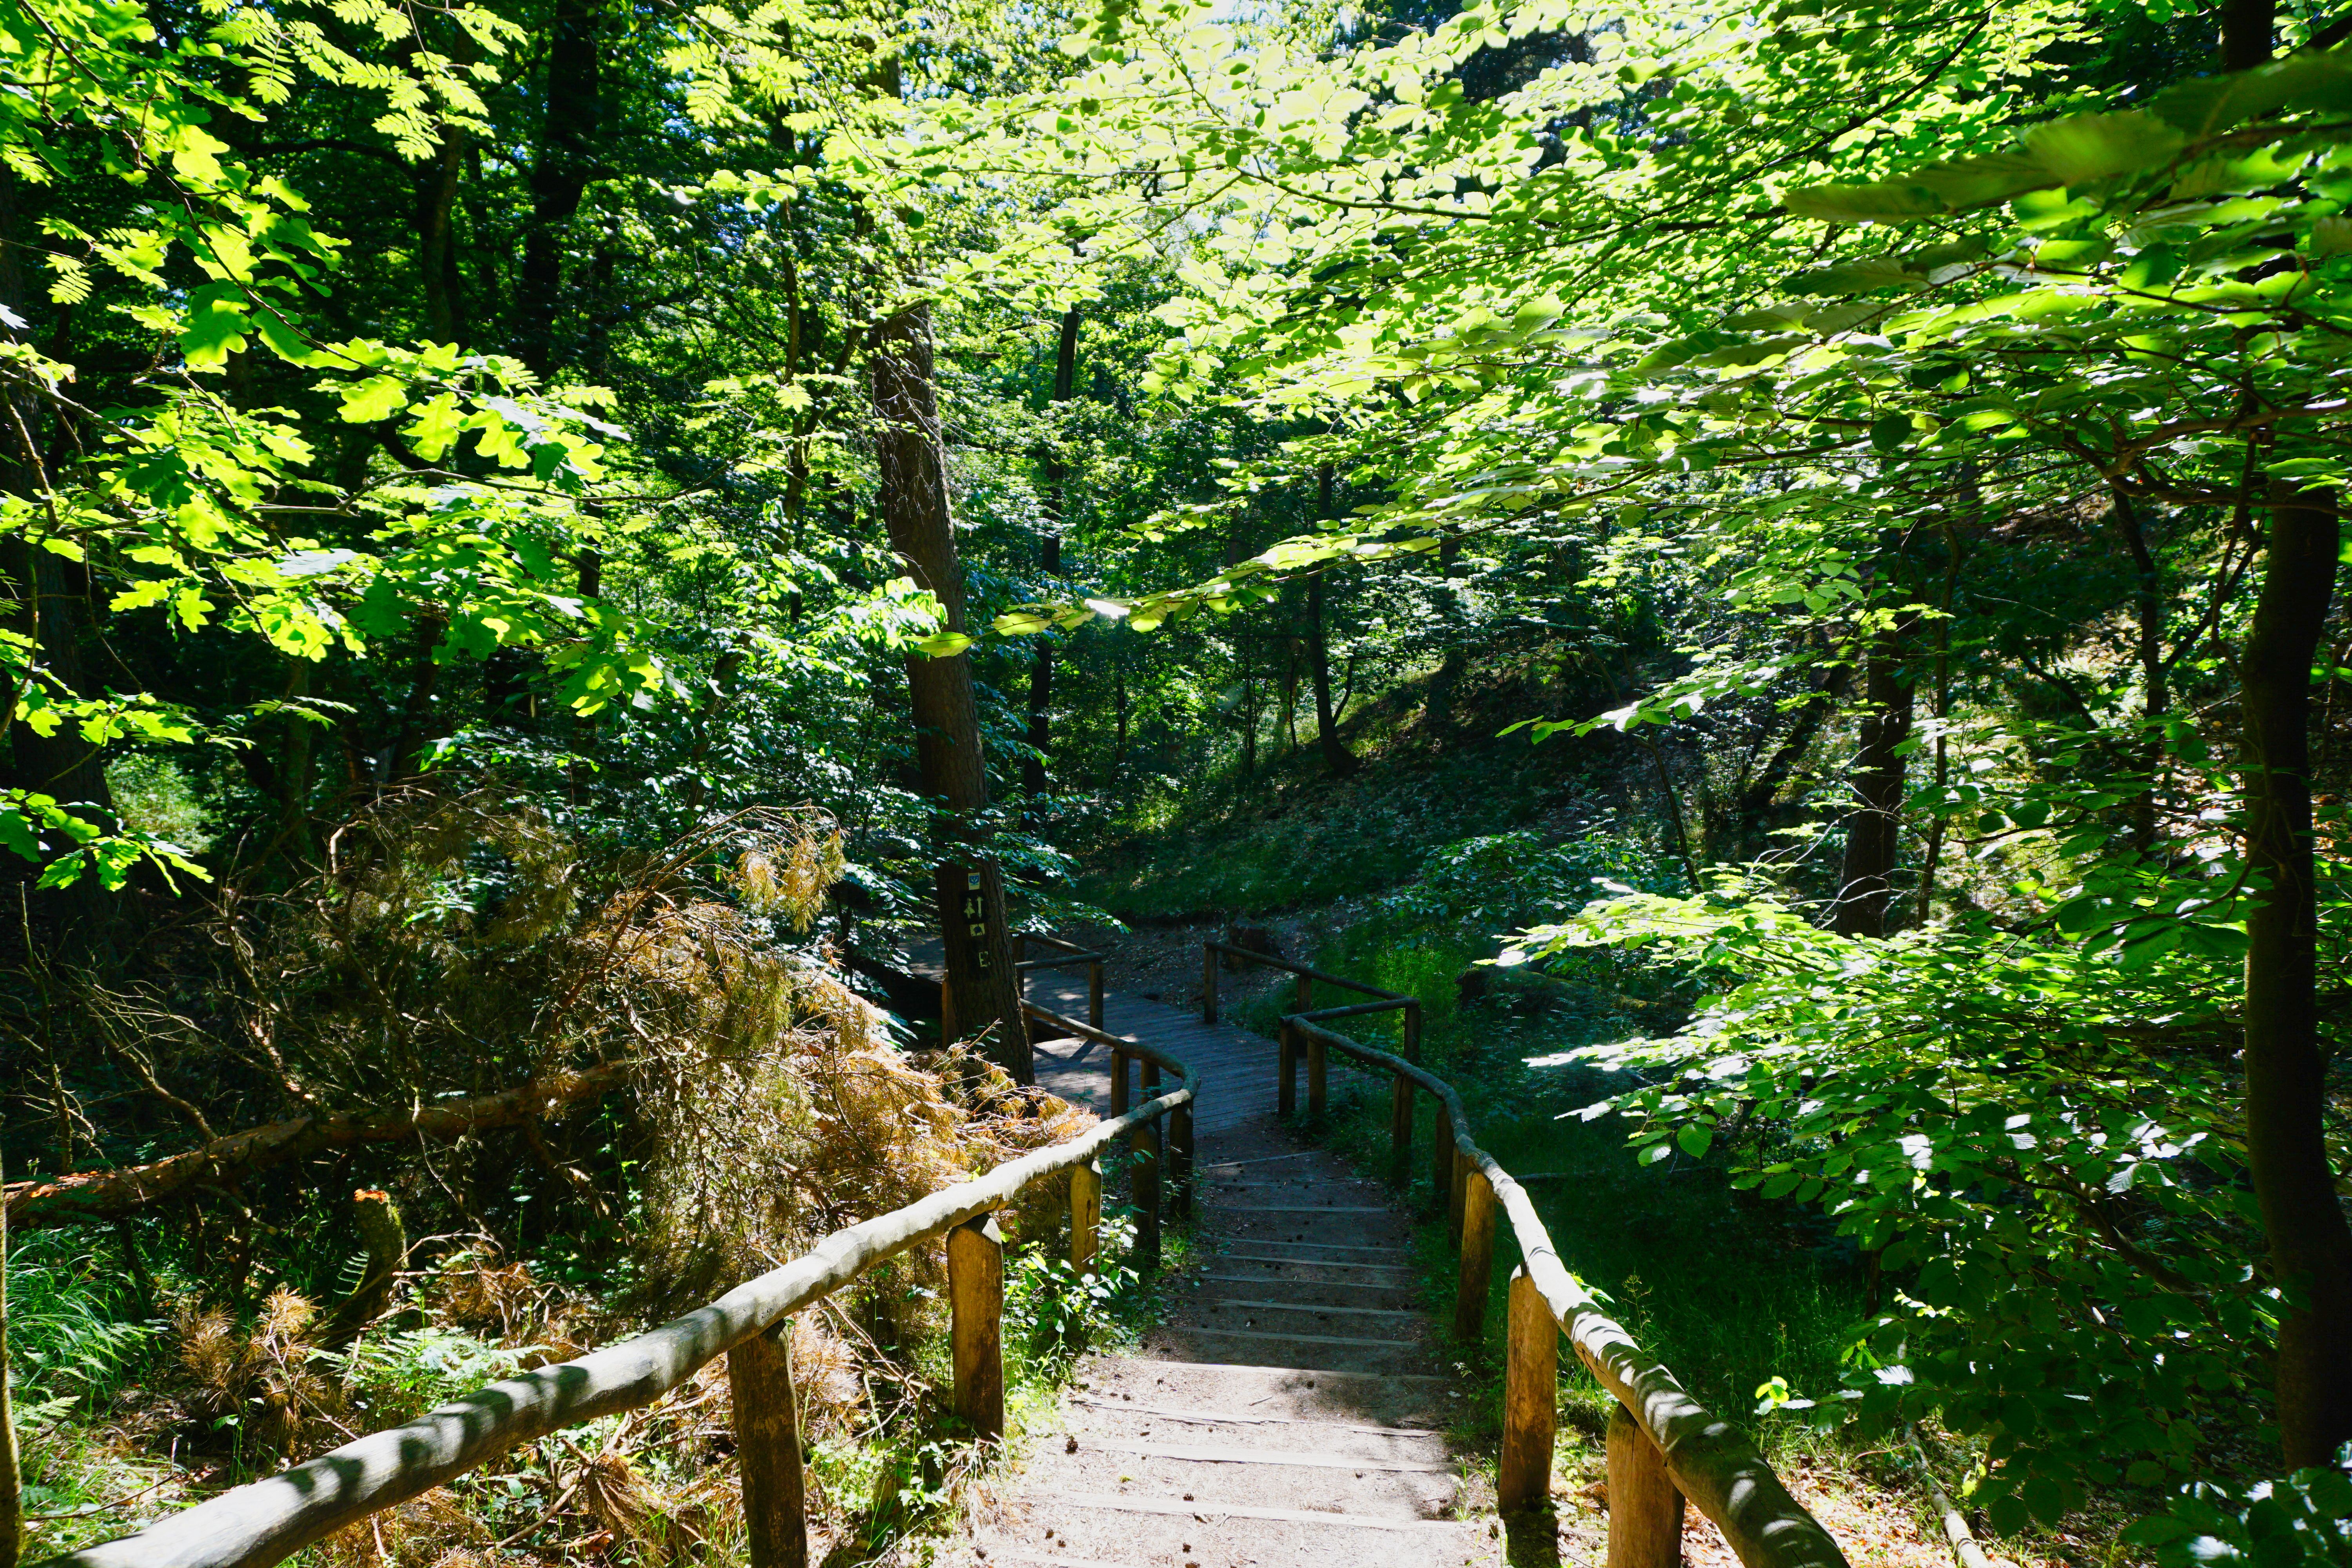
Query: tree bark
{"points": [[565, 163], [2286, 1153], [436, 238], [1049, 562], [12, 1489], [2148, 606], [1873, 829], [1337, 760], [982, 994]]}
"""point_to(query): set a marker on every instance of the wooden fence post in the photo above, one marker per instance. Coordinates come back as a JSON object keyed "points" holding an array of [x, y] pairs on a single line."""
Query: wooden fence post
{"points": [[976, 1323], [1317, 1075], [1457, 1194], [1118, 1082], [1441, 1154], [1095, 992], [1400, 1132], [1148, 1090], [1306, 994], [1530, 1399], [1147, 1196], [1645, 1513], [1179, 1159], [1086, 1214], [1411, 1052], [768, 1448], [1286, 1093], [1477, 1254], [1208, 983]]}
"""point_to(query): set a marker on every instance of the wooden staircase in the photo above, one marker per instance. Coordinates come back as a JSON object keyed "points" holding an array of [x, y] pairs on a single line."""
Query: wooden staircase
{"points": [[1290, 1412]]}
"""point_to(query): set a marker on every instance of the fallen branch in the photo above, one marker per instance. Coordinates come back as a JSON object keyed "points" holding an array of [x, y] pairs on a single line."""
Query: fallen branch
{"points": [[111, 1194]]}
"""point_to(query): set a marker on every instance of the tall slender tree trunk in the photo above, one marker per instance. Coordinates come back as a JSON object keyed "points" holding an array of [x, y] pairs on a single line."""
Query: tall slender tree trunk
{"points": [[12, 1492], [1049, 562], [2286, 1152], [564, 165], [1438, 713], [1873, 829], [436, 238], [1337, 761], [2148, 609], [982, 993]]}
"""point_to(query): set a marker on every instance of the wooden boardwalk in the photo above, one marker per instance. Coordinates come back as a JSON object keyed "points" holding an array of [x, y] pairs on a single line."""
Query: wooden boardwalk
{"points": [[1236, 1067], [1289, 1411]]}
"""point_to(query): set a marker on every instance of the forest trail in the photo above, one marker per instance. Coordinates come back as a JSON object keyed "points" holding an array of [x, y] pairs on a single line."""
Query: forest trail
{"points": [[1290, 1409]]}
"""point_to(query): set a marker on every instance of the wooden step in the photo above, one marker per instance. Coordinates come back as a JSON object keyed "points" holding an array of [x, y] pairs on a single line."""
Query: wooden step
{"points": [[1207, 1512], [1224, 1454], [1313, 1307], [1210, 1418]]}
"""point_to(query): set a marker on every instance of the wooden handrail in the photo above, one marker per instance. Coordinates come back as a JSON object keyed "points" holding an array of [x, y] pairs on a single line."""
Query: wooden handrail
{"points": [[267, 1520], [1270, 962], [1074, 954], [1708, 1462]]}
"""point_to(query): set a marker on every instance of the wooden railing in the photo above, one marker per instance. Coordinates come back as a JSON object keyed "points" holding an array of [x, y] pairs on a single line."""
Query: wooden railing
{"points": [[1663, 1446], [267, 1520], [1072, 954]]}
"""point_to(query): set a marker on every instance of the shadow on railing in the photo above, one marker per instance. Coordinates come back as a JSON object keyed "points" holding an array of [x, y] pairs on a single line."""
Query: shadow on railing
{"points": [[267, 1520], [1664, 1446]]}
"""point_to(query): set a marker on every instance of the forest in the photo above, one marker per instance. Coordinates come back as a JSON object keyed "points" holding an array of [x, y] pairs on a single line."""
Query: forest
{"points": [[578, 575]]}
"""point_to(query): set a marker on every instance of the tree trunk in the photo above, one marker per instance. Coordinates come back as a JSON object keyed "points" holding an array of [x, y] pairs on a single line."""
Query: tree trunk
{"points": [[2148, 605], [1756, 800], [2286, 1153], [565, 163], [11, 1489], [1438, 711], [1865, 881], [1337, 762], [982, 993], [1049, 563], [436, 238]]}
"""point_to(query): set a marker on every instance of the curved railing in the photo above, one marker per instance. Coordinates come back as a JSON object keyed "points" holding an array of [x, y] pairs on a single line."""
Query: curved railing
{"points": [[267, 1520], [1664, 1446]]}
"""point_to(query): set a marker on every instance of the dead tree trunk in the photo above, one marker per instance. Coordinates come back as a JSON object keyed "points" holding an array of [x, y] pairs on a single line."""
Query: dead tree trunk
{"points": [[982, 993], [2286, 1152], [1049, 562]]}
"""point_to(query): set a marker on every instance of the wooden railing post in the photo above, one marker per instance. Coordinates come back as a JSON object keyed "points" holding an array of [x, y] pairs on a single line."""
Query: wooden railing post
{"points": [[1118, 1082], [1477, 1254], [1412, 1051], [1086, 1214], [1286, 1090], [768, 1448], [1317, 1075], [1147, 1196], [1095, 992], [1530, 1399], [1179, 1160], [1401, 1132], [1306, 994], [1208, 983], [976, 1323], [1441, 1154], [1457, 1192], [1645, 1513], [1150, 1088]]}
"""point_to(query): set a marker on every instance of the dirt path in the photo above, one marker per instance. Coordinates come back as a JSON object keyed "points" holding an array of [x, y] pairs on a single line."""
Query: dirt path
{"points": [[1290, 1410]]}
